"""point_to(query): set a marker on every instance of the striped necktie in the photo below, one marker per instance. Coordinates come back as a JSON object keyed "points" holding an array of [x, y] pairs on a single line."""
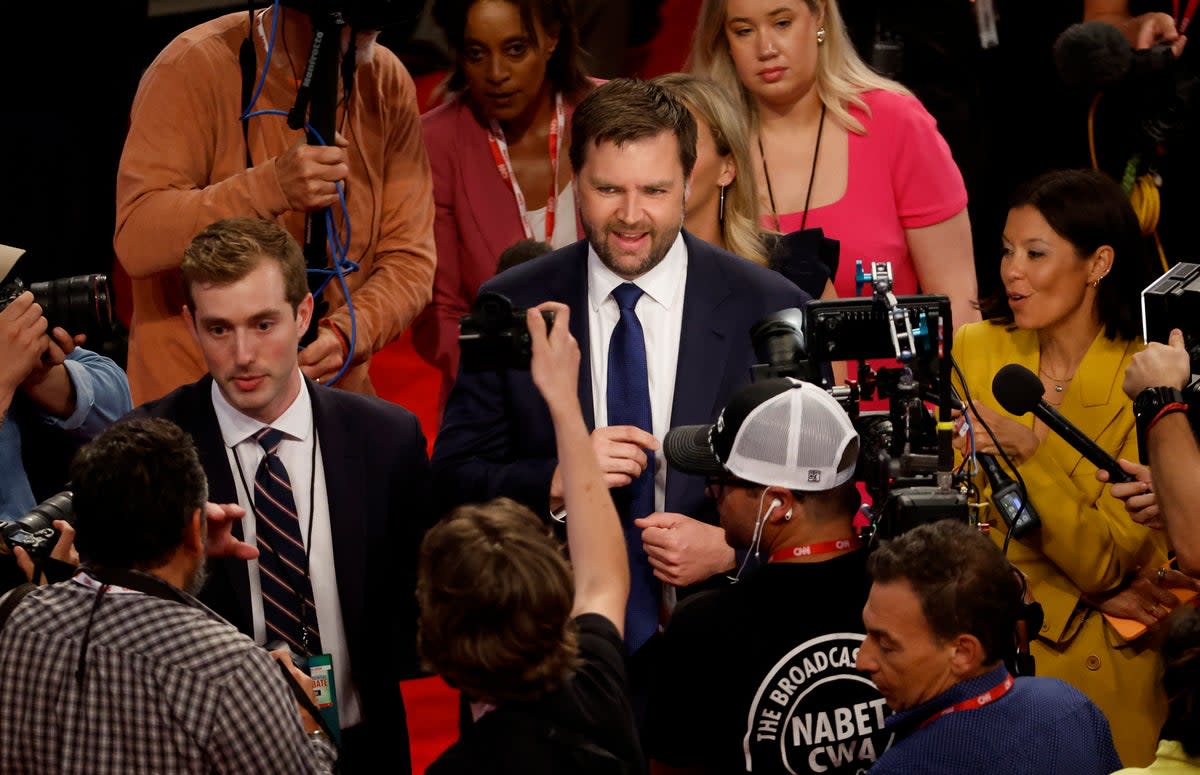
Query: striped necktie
{"points": [[288, 606]]}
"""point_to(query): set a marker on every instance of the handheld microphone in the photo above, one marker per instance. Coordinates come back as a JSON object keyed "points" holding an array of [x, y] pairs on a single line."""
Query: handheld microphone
{"points": [[1020, 391], [1009, 498]]}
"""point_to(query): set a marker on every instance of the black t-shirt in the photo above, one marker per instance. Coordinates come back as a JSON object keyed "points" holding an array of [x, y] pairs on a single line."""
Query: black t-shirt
{"points": [[585, 727], [760, 677]]}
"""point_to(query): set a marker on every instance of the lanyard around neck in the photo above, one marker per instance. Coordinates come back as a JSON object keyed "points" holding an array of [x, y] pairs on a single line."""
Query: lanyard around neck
{"points": [[500, 155], [976, 702], [813, 550]]}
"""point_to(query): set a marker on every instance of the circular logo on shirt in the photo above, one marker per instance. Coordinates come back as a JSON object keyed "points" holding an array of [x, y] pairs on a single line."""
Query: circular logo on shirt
{"points": [[814, 712]]}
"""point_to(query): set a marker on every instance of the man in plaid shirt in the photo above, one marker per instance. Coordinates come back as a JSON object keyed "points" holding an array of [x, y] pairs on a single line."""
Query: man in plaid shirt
{"points": [[120, 669]]}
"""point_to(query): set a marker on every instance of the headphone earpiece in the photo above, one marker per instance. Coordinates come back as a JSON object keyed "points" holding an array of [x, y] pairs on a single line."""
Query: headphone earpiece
{"points": [[774, 503], [788, 515]]}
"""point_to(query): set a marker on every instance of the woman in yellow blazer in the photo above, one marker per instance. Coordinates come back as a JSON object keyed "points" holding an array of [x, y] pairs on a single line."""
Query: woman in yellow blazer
{"points": [[1072, 269]]}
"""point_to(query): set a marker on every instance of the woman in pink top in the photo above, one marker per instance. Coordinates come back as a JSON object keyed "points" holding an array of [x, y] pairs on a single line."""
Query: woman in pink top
{"points": [[841, 148]]}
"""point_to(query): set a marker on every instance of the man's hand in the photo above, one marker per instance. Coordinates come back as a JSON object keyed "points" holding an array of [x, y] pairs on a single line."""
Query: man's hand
{"points": [[305, 682], [1150, 29], [1018, 441], [322, 359], [63, 551], [621, 450], [684, 551], [1159, 365], [1138, 496], [23, 339], [309, 174], [555, 362], [221, 541]]}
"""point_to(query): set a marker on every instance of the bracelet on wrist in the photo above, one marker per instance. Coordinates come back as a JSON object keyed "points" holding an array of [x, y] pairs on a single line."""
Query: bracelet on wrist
{"points": [[1168, 409], [337, 332]]}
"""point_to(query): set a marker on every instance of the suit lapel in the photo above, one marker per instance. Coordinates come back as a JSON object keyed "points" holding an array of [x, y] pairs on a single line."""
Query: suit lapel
{"points": [[1089, 401], [346, 486], [704, 341], [214, 458], [490, 200], [570, 285]]}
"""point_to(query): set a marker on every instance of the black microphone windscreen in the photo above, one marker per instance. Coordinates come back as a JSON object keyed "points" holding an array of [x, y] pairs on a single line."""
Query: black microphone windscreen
{"points": [[1092, 55], [1017, 389]]}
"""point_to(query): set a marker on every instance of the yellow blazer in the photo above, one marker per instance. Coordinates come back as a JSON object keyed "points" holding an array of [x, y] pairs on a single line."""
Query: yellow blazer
{"points": [[1087, 543]]}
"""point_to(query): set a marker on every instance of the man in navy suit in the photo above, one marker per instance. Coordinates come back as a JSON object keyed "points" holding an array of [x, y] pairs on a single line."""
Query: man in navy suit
{"points": [[355, 468], [633, 147]]}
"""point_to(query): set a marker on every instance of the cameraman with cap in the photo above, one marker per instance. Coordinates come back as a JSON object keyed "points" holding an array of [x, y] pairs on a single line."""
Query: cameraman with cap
{"points": [[780, 465], [50, 391]]}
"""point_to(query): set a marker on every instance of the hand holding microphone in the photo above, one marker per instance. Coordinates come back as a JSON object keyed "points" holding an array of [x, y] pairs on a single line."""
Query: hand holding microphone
{"points": [[1020, 391]]}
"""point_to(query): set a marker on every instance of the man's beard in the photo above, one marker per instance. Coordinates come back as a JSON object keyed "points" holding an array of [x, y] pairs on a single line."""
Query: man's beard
{"points": [[660, 244], [196, 581]]}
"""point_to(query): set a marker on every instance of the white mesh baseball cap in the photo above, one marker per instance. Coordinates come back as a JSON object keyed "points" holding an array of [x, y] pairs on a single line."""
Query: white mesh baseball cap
{"points": [[777, 432]]}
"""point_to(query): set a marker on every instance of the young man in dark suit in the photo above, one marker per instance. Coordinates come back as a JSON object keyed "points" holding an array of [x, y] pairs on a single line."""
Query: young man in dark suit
{"points": [[334, 485], [663, 320]]}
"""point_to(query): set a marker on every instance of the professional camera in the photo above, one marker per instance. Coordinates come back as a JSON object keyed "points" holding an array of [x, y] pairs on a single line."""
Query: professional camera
{"points": [[80, 305], [35, 531], [905, 462], [1151, 87], [1173, 301], [495, 335]]}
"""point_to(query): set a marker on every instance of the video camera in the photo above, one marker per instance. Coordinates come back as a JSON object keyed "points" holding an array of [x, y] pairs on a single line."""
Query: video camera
{"points": [[495, 335], [34, 532], [1173, 301], [905, 463]]}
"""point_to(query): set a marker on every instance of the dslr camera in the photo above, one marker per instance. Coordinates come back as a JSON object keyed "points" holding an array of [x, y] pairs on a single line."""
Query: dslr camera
{"points": [[35, 531], [495, 336], [82, 304]]}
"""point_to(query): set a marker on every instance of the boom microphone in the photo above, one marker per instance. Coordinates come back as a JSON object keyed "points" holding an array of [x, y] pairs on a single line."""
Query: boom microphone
{"points": [[1095, 55], [1020, 391]]}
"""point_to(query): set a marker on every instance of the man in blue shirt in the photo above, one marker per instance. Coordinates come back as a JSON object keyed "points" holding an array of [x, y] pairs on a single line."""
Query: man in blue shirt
{"points": [[46, 383], [940, 618]]}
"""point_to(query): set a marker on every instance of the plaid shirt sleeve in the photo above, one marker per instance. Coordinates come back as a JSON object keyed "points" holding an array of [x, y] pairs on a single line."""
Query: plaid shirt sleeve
{"points": [[258, 729]]}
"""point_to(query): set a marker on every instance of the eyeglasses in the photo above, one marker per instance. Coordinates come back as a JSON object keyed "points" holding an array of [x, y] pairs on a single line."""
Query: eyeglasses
{"points": [[715, 487]]}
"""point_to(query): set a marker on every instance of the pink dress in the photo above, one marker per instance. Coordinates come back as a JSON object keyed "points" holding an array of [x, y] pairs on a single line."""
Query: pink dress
{"points": [[901, 176]]}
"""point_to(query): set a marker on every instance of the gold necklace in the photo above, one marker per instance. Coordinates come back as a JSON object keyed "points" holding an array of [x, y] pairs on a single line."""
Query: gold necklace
{"points": [[1059, 383]]}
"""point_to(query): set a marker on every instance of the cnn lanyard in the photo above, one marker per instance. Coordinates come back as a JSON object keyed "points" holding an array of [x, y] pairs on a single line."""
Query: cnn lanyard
{"points": [[1181, 23], [990, 696], [504, 164], [812, 550]]}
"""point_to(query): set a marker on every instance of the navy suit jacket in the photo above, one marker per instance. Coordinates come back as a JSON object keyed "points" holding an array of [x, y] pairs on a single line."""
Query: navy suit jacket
{"points": [[496, 437], [377, 477]]}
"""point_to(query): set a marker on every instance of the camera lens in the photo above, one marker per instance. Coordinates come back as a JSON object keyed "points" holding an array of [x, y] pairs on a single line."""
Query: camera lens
{"points": [[80, 305]]}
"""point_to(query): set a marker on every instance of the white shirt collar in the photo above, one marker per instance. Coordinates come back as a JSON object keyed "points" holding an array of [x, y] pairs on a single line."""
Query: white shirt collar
{"points": [[661, 283], [296, 421]]}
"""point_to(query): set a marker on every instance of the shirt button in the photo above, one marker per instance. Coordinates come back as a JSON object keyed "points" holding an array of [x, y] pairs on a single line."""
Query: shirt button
{"points": [[1093, 662]]}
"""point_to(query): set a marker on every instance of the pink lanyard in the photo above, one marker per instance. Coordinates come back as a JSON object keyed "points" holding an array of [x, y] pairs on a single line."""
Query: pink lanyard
{"points": [[504, 165]]}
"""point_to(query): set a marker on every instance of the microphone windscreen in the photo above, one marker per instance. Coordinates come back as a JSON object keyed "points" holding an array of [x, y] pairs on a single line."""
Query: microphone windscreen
{"points": [[1017, 389], [1092, 55]]}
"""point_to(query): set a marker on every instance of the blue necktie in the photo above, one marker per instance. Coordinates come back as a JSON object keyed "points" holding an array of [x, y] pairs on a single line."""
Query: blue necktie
{"points": [[629, 404], [288, 606]]}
